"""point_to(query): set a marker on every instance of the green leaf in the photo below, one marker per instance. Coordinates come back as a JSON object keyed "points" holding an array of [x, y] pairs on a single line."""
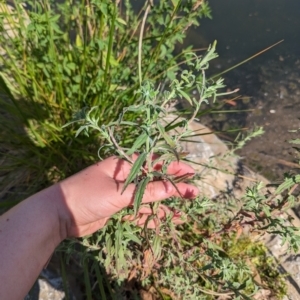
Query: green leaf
{"points": [[71, 66], [266, 210], [295, 141], [129, 123], [138, 196], [185, 96], [138, 143], [135, 169], [79, 130], [175, 3], [167, 138], [77, 78], [157, 247], [7, 85], [119, 20], [132, 237], [78, 41]]}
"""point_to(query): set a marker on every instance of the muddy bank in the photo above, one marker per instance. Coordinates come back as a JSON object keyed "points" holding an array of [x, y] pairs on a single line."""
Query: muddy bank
{"points": [[270, 97], [275, 104]]}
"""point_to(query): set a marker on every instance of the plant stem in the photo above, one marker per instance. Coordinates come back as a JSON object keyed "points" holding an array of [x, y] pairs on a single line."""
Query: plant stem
{"points": [[141, 42]]}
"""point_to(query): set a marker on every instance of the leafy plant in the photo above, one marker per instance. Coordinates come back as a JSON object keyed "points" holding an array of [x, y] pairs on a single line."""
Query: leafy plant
{"points": [[114, 71], [192, 261], [60, 59]]}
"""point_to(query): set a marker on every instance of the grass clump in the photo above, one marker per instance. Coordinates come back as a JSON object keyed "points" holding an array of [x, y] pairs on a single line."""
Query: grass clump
{"points": [[59, 60]]}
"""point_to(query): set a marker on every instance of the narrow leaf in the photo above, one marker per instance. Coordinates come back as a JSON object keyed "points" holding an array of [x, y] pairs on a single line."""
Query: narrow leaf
{"points": [[138, 143], [138, 197], [129, 123], [266, 211], [185, 96], [175, 3], [295, 141], [87, 282], [167, 138], [119, 20], [135, 169], [80, 130], [100, 280], [78, 41], [132, 237]]}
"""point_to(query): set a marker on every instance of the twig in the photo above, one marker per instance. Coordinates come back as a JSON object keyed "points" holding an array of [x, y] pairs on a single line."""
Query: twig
{"points": [[248, 178], [117, 145], [288, 163], [121, 150]]}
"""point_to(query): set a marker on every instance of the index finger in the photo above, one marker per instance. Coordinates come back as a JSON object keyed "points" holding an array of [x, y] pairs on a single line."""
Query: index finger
{"points": [[177, 169], [119, 169]]}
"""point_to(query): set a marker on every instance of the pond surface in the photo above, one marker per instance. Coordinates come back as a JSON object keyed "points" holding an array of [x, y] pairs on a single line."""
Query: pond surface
{"points": [[245, 27], [269, 84]]}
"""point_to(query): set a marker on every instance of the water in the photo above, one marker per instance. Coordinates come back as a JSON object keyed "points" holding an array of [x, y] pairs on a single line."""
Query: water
{"points": [[270, 83], [243, 28]]}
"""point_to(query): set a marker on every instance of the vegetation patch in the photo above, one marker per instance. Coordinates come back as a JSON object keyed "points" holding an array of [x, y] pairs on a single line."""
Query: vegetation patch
{"points": [[82, 80]]}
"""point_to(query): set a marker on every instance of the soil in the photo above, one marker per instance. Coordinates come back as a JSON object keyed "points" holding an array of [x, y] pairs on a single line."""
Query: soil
{"points": [[271, 92]]}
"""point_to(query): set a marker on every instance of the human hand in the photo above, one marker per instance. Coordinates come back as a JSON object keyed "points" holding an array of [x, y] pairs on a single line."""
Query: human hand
{"points": [[93, 195], [152, 218]]}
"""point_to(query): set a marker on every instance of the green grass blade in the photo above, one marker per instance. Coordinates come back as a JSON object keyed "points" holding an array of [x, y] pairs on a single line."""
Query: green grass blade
{"points": [[246, 60], [87, 283], [100, 281], [64, 276]]}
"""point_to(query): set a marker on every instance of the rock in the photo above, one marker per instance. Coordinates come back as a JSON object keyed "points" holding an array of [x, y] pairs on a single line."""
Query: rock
{"points": [[48, 287], [220, 170], [211, 158]]}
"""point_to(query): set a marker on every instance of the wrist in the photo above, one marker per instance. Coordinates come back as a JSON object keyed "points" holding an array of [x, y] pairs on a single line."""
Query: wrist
{"points": [[52, 204]]}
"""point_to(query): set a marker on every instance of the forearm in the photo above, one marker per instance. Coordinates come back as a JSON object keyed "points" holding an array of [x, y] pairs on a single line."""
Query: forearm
{"points": [[29, 233]]}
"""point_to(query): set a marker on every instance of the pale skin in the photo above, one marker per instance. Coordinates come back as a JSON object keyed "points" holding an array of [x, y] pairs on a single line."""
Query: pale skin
{"points": [[75, 207]]}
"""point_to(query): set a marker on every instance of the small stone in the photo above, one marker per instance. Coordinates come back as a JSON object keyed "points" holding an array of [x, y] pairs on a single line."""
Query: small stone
{"points": [[272, 111]]}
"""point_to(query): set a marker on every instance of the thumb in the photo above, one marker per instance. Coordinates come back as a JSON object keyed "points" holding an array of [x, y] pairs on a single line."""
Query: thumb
{"points": [[160, 190], [155, 191]]}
